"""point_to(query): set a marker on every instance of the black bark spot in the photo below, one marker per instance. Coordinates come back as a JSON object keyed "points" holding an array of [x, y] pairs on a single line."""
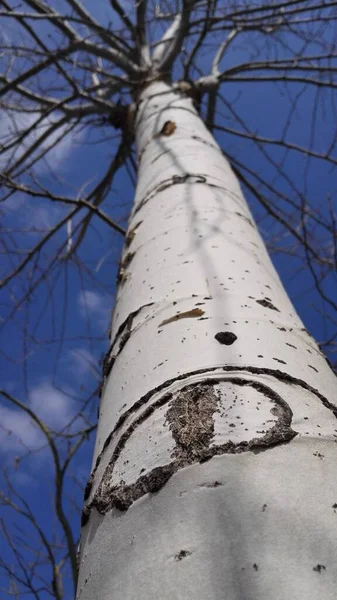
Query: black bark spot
{"points": [[226, 337], [215, 484], [182, 554], [267, 304], [319, 568], [279, 360]]}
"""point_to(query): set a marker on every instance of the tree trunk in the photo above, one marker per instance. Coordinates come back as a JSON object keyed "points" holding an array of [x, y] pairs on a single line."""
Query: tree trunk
{"points": [[215, 464]]}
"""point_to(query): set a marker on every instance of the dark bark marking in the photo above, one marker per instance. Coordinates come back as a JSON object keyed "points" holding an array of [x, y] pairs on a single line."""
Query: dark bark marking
{"points": [[108, 362], [182, 554], [267, 304], [123, 332], [247, 220], [187, 314], [226, 337], [212, 484], [131, 234], [279, 360], [319, 568], [205, 142], [122, 274], [173, 180], [168, 128]]}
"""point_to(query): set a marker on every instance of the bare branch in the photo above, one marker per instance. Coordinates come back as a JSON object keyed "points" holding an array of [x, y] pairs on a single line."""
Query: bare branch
{"points": [[122, 14], [143, 46], [170, 44], [221, 50]]}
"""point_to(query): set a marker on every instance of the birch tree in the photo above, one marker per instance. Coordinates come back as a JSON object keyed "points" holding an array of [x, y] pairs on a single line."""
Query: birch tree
{"points": [[213, 473]]}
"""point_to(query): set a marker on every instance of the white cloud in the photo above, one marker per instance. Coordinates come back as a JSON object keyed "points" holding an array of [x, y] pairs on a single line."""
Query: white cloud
{"points": [[15, 123], [53, 406], [95, 305], [90, 301], [18, 431]]}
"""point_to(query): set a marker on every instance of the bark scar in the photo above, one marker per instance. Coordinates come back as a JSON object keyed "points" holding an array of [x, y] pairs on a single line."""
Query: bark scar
{"points": [[194, 312], [168, 128], [190, 418], [173, 180], [276, 373], [123, 334]]}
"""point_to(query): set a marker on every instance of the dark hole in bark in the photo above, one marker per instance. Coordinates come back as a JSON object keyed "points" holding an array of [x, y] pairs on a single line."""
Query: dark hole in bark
{"points": [[226, 337]]}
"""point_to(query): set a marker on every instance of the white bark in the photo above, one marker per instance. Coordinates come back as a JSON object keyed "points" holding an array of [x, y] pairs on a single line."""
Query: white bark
{"points": [[215, 462], [167, 41]]}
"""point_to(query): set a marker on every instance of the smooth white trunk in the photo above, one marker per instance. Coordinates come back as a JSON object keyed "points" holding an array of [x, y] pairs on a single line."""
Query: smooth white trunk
{"points": [[215, 467]]}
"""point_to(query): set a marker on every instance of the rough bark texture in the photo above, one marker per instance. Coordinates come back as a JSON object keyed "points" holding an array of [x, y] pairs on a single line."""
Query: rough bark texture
{"points": [[214, 472]]}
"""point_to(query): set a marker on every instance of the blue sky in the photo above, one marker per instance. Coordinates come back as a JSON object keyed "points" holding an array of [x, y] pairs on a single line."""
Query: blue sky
{"points": [[52, 345]]}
